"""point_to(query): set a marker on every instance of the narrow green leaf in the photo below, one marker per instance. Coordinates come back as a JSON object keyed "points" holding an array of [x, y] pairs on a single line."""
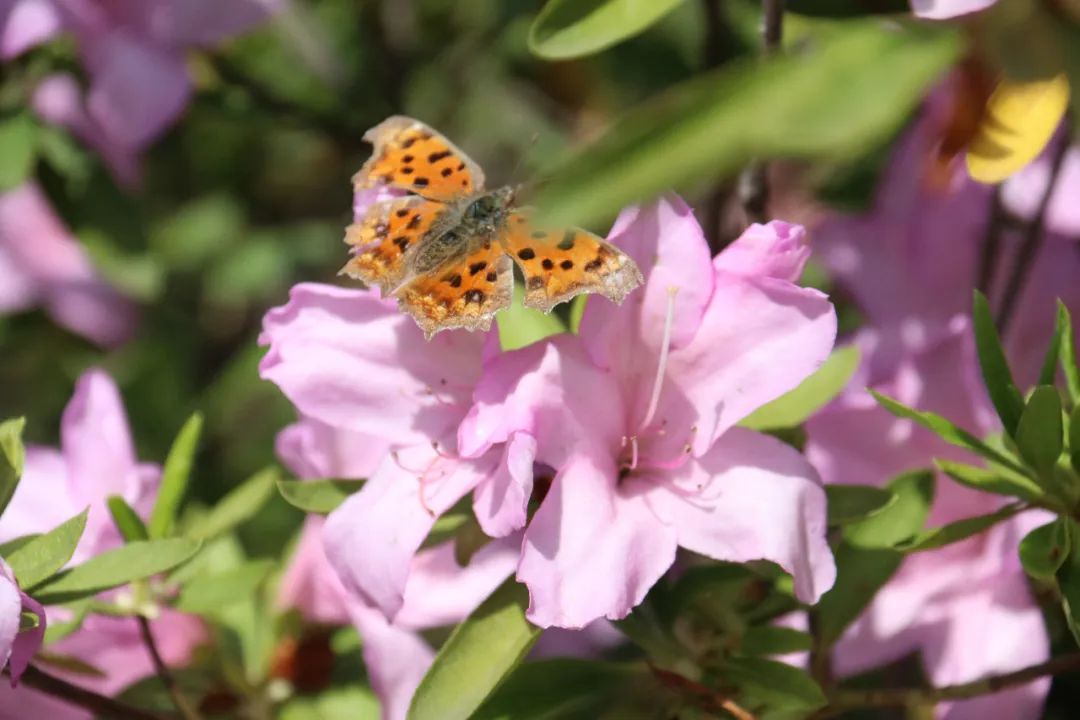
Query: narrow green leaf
{"points": [[446, 527], [778, 685], [317, 496], [209, 593], [572, 28], [12, 458], [1038, 435], [1048, 373], [476, 657], [1068, 577], [14, 544], [566, 689], [1074, 438], [774, 640], [175, 477], [851, 503], [127, 521], [41, 557], [241, 504], [812, 394], [784, 106], [69, 664], [520, 326], [990, 481], [956, 531], [469, 539], [134, 561], [1069, 365], [1044, 549], [901, 520], [1007, 400], [17, 152], [949, 432], [860, 573]]}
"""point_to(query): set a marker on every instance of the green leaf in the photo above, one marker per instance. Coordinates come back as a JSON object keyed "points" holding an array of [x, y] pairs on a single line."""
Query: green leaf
{"points": [[991, 481], [17, 134], [15, 543], [775, 684], [1044, 549], [1048, 373], [317, 496], [239, 505], [948, 432], [959, 530], [902, 519], [1038, 436], [563, 689], [851, 503], [783, 106], [774, 640], [208, 593], [127, 521], [469, 540], [134, 561], [1067, 354], [812, 394], [995, 368], [520, 326], [1074, 438], [174, 478], [57, 631], [336, 703], [446, 527], [860, 573], [1068, 577], [41, 557], [12, 458], [572, 28], [476, 657]]}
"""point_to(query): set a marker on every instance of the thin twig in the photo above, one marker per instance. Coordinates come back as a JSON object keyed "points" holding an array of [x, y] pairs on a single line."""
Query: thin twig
{"points": [[820, 656], [1033, 239], [991, 249], [844, 700], [99, 705], [709, 698], [163, 672]]}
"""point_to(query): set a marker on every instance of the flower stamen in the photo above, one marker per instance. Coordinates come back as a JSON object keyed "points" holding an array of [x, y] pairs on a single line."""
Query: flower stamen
{"points": [[661, 368]]}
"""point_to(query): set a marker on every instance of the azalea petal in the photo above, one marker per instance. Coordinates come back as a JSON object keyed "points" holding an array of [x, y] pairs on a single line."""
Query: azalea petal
{"points": [[312, 449], [946, 9], [18, 290], [442, 592], [592, 549], [777, 249], [25, 24], [372, 537], [42, 499], [501, 502], [96, 441], [310, 583], [353, 361], [396, 660], [193, 22], [550, 390], [751, 497], [27, 642], [759, 338], [10, 611], [138, 88]]}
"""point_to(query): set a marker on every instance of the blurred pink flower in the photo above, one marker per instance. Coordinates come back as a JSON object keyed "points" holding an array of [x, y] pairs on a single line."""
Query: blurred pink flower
{"points": [[134, 53], [1023, 192], [17, 647], [946, 9], [910, 264], [42, 263], [637, 417], [96, 459]]}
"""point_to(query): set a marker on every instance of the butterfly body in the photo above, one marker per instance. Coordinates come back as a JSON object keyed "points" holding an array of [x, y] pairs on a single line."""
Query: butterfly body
{"points": [[447, 249]]}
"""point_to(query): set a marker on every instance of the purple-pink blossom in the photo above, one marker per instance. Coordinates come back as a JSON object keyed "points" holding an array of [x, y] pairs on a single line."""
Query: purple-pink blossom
{"points": [[17, 646]]}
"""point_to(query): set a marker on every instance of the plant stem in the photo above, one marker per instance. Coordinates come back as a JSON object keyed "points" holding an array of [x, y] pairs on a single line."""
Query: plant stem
{"points": [[163, 672], [844, 700], [991, 249], [1033, 238], [99, 705]]}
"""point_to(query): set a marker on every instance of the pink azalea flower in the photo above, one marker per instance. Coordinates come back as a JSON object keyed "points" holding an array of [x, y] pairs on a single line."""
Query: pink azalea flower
{"points": [[42, 263], [134, 52], [910, 265], [96, 459], [637, 416], [946, 9], [1023, 192], [16, 648]]}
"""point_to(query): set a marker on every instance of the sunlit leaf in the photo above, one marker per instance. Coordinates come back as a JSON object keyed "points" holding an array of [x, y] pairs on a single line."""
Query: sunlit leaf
{"points": [[995, 368], [937, 537], [902, 520], [851, 503], [40, 558], [175, 476], [17, 149], [812, 394], [991, 481], [520, 326], [568, 689], [571, 28], [241, 504], [1044, 549], [127, 521], [1039, 434], [209, 593], [317, 496], [12, 458]]}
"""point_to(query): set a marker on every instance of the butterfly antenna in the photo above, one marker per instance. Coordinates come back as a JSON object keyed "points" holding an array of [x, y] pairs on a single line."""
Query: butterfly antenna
{"points": [[516, 171]]}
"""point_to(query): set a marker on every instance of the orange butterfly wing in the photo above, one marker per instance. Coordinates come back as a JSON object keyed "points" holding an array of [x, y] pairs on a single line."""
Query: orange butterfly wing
{"points": [[560, 265], [411, 156], [384, 235], [464, 293]]}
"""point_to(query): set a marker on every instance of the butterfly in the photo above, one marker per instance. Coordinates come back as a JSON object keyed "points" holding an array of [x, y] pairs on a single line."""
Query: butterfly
{"points": [[445, 247]]}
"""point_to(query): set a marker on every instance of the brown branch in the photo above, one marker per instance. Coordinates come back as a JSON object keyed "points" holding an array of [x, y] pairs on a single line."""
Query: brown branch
{"points": [[163, 672], [709, 698], [1034, 235], [991, 249], [100, 705], [844, 700]]}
